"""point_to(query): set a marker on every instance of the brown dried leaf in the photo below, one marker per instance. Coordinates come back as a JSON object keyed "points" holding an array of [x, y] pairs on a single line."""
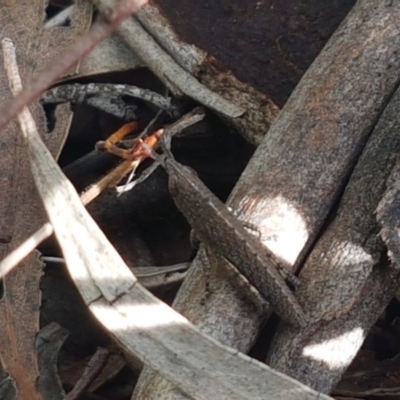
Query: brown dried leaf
{"points": [[111, 55], [21, 212]]}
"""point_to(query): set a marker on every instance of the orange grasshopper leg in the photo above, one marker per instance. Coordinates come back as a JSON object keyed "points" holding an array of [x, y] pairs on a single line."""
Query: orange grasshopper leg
{"points": [[109, 145]]}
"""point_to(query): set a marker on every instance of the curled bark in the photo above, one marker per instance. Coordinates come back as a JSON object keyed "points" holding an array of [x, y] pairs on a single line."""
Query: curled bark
{"points": [[347, 280], [301, 167]]}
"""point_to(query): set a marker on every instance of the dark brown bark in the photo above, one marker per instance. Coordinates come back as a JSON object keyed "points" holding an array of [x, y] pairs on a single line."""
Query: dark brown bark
{"points": [[266, 44]]}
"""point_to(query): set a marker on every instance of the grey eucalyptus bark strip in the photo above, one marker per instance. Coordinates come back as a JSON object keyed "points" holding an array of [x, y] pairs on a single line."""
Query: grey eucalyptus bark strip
{"points": [[113, 106], [346, 281], [80, 93], [301, 166]]}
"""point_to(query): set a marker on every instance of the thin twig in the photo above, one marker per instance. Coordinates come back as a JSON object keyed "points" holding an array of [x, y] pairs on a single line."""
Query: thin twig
{"points": [[140, 272], [189, 119], [110, 180], [68, 58], [30, 244]]}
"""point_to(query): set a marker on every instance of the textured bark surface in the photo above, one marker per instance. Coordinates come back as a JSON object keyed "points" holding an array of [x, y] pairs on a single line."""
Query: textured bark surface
{"points": [[267, 44], [261, 111], [301, 166], [347, 280], [388, 213]]}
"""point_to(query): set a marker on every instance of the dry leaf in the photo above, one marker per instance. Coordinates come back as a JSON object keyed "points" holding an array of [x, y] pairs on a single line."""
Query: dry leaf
{"points": [[21, 212]]}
